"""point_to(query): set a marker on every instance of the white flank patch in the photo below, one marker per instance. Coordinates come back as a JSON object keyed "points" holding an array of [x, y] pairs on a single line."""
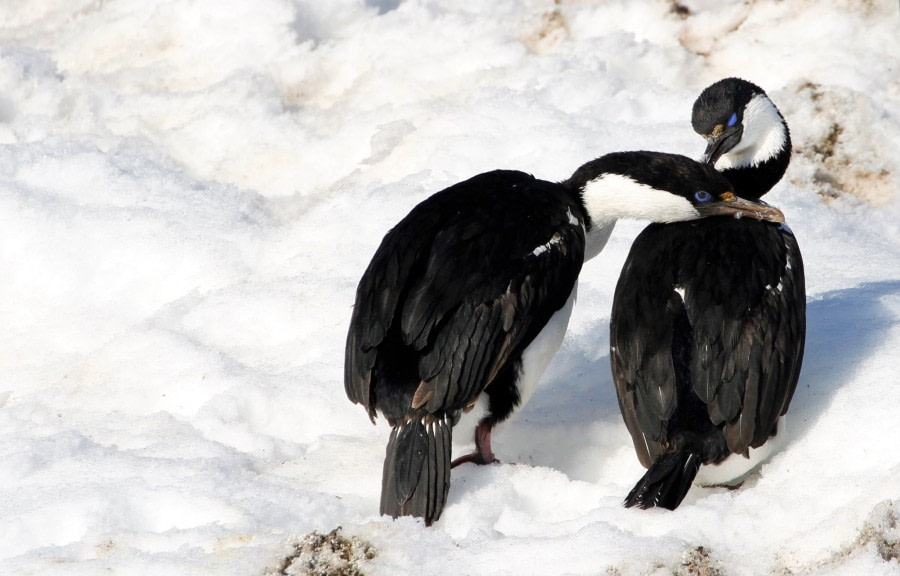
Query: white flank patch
{"points": [[763, 138]]}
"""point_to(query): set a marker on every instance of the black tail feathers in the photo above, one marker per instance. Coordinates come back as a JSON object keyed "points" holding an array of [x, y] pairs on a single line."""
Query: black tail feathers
{"points": [[666, 482], [416, 475]]}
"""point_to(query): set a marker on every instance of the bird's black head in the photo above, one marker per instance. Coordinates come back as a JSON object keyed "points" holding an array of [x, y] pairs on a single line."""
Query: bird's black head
{"points": [[673, 173], [718, 114], [747, 138], [660, 187]]}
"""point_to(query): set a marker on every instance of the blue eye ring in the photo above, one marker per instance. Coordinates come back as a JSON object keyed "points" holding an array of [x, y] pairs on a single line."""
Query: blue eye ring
{"points": [[732, 120], [702, 196]]}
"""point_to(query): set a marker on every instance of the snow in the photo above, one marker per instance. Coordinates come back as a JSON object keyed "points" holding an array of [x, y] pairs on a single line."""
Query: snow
{"points": [[191, 190]]}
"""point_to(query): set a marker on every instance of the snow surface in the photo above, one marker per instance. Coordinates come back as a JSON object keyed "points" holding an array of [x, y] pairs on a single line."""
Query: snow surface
{"points": [[190, 190]]}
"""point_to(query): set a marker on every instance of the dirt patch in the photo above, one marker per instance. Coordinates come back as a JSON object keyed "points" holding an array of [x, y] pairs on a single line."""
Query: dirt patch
{"points": [[881, 530], [840, 167], [331, 554], [549, 32], [679, 9], [697, 562]]}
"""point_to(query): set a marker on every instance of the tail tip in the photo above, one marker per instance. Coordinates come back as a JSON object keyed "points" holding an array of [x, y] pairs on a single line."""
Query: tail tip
{"points": [[416, 476], [666, 483]]}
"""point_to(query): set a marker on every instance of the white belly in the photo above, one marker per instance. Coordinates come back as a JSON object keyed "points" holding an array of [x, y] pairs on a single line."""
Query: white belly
{"points": [[736, 468]]}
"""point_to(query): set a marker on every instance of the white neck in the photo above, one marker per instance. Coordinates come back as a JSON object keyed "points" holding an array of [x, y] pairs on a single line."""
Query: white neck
{"points": [[764, 136], [595, 240], [611, 197]]}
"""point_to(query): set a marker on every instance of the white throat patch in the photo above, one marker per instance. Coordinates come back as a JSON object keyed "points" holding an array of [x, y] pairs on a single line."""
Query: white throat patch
{"points": [[763, 138]]}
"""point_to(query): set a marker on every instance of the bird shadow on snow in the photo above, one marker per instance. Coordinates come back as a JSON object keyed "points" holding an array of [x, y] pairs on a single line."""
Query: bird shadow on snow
{"points": [[573, 424], [843, 329]]}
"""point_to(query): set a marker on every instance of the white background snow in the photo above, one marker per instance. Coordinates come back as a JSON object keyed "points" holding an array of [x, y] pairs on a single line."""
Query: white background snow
{"points": [[190, 190]]}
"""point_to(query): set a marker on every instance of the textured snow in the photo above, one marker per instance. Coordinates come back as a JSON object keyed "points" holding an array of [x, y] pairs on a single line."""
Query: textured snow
{"points": [[190, 191]]}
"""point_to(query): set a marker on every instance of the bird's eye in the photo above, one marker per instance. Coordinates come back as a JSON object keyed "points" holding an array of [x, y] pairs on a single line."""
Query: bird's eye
{"points": [[702, 196], [733, 120]]}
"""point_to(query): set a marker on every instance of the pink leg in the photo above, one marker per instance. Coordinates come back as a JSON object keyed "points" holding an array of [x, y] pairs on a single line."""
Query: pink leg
{"points": [[482, 453]]}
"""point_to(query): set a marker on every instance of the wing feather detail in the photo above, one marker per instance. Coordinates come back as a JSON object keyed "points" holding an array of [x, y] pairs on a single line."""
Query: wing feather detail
{"points": [[458, 289], [742, 323]]}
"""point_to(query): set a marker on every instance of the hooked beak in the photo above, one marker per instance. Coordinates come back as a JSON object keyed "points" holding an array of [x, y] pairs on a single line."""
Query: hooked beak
{"points": [[721, 143], [731, 205]]}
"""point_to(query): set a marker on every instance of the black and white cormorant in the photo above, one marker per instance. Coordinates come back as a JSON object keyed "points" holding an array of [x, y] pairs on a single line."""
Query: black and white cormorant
{"points": [[709, 317], [467, 299]]}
